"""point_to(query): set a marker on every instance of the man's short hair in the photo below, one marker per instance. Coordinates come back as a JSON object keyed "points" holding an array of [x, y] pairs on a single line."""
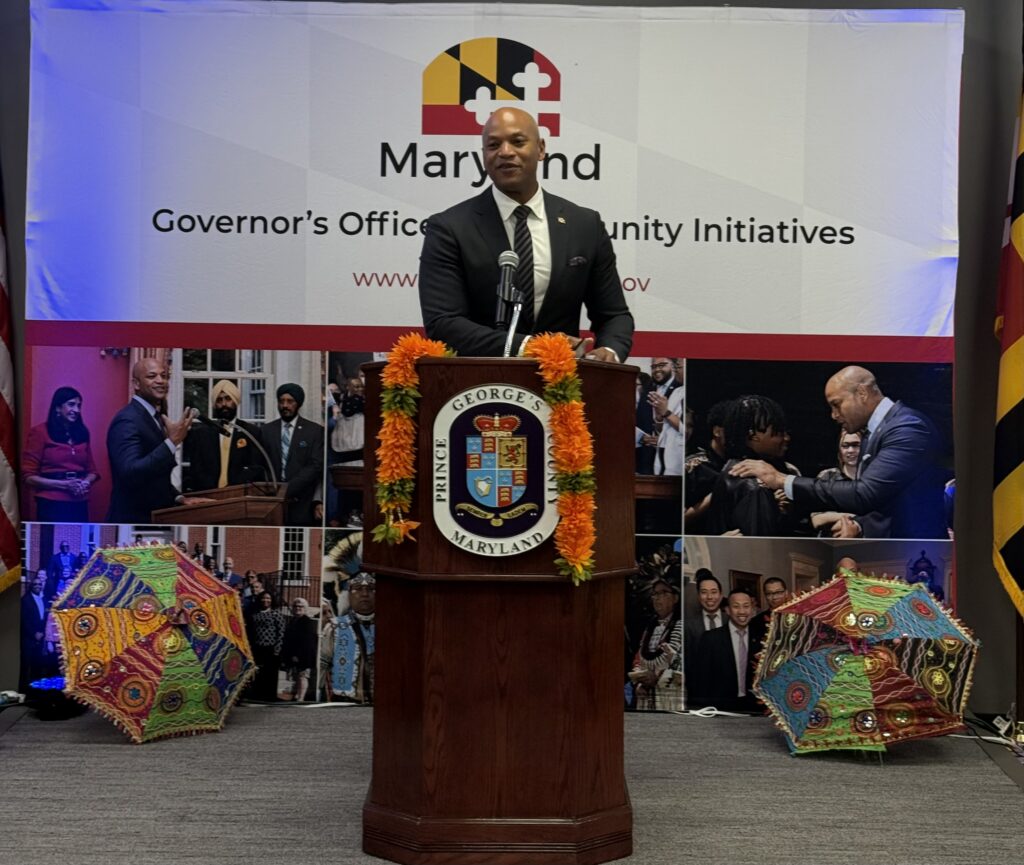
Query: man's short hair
{"points": [[739, 591], [778, 580], [703, 575]]}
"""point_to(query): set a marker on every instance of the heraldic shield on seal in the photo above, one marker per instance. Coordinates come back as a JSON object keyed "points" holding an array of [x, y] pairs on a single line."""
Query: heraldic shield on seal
{"points": [[494, 489]]}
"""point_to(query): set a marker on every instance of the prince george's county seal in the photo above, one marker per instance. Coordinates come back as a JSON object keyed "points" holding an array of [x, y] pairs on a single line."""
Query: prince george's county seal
{"points": [[494, 489]]}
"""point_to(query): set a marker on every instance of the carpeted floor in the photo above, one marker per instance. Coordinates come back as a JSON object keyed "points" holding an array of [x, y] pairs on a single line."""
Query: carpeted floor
{"points": [[286, 785]]}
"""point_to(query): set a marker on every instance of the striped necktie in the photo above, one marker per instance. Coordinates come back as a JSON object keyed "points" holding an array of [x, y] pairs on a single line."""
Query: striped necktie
{"points": [[286, 443], [524, 274]]}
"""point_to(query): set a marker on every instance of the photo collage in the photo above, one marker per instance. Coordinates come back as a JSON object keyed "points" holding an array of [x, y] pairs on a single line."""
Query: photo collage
{"points": [[756, 481]]}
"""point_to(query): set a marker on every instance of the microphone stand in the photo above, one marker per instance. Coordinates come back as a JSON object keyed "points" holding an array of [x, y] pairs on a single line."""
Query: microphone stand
{"points": [[270, 466], [219, 424], [517, 307]]}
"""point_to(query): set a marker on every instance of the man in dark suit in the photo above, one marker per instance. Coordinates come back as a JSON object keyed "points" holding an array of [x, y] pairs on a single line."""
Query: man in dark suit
{"points": [[775, 594], [34, 654], [60, 567], [142, 444], [566, 259], [710, 615], [295, 445], [216, 460], [726, 660], [899, 484]]}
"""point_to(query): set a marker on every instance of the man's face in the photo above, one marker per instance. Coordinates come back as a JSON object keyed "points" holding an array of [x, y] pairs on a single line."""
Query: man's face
{"points": [[846, 564], [287, 407], [679, 370], [224, 407], [363, 599], [65, 547], [663, 600], [740, 608], [355, 386], [512, 149], [661, 369], [849, 406], [38, 581], [257, 587], [769, 443], [150, 380], [709, 595], [775, 593], [229, 564], [298, 608]]}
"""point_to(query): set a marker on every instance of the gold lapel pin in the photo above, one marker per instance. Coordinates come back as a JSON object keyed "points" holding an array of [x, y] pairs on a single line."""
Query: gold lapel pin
{"points": [[561, 219]]}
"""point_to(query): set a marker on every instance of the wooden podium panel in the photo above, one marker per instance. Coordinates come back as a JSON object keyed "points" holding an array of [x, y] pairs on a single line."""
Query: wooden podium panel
{"points": [[237, 504], [498, 712]]}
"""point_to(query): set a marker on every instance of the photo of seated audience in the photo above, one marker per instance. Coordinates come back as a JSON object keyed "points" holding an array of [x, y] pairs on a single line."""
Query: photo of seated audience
{"points": [[890, 422], [731, 587], [133, 431]]}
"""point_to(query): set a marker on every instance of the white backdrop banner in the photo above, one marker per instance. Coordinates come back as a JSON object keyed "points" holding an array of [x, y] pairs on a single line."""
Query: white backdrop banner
{"points": [[762, 172]]}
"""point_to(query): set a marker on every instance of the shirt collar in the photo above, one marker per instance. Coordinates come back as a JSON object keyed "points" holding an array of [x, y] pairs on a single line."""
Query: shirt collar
{"points": [[507, 206], [881, 410], [145, 405]]}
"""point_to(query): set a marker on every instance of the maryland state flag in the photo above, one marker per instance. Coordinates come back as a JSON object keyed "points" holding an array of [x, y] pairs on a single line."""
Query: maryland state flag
{"points": [[1008, 494]]}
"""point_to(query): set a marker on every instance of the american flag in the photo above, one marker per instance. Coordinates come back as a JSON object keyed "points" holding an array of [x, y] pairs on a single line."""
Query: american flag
{"points": [[10, 546]]}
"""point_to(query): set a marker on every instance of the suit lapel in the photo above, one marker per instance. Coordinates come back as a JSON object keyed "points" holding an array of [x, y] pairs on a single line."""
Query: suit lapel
{"points": [[873, 439], [489, 224]]}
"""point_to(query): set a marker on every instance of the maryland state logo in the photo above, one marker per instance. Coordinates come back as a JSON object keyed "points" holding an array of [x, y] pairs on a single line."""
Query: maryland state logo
{"points": [[494, 489], [464, 85]]}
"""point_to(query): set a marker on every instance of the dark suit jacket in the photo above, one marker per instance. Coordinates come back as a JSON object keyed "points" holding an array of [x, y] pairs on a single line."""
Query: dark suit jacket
{"points": [[202, 450], [900, 480], [715, 673], [304, 472], [140, 465], [694, 627], [459, 274]]}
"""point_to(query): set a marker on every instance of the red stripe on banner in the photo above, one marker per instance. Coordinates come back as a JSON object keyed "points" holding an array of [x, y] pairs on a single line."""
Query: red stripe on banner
{"points": [[315, 337]]}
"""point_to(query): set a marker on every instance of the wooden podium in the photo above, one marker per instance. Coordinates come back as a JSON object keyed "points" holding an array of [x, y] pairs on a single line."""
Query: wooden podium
{"points": [[236, 505], [498, 712]]}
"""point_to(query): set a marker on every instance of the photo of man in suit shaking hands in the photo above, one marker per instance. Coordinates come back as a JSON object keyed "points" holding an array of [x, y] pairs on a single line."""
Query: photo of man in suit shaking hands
{"points": [[898, 490], [565, 257]]}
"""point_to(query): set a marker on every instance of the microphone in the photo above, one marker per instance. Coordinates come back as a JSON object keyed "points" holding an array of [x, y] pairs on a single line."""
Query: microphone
{"points": [[508, 261], [210, 422]]}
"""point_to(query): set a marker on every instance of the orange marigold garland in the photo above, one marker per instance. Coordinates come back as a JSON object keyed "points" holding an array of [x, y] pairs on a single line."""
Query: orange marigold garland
{"points": [[396, 454], [573, 454]]}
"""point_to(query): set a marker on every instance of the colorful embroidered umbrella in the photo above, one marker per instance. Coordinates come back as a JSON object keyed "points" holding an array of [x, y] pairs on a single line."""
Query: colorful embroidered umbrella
{"points": [[153, 641], [863, 662]]}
